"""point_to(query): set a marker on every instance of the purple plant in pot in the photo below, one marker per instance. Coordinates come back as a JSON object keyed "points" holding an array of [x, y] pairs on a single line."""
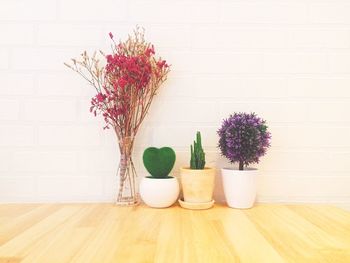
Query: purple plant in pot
{"points": [[244, 138]]}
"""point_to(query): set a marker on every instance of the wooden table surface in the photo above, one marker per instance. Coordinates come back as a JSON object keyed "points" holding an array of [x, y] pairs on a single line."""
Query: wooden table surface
{"points": [[106, 233]]}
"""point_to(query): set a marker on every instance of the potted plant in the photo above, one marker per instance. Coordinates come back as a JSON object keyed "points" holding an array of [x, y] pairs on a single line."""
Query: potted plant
{"points": [[197, 180], [159, 190], [244, 138]]}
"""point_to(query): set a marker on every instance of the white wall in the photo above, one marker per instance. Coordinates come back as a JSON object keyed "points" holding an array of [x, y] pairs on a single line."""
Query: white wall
{"points": [[288, 60]]}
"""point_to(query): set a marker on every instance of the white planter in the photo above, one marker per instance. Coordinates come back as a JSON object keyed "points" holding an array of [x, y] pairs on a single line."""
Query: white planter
{"points": [[159, 193], [239, 187]]}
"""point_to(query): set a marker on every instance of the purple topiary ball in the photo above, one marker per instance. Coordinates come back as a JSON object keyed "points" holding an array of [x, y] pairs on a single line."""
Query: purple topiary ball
{"points": [[244, 138]]}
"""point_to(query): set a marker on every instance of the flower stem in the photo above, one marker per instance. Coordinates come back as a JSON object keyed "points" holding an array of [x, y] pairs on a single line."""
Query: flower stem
{"points": [[241, 165]]}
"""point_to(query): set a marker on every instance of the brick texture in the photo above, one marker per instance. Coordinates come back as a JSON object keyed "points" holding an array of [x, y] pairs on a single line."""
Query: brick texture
{"points": [[288, 61]]}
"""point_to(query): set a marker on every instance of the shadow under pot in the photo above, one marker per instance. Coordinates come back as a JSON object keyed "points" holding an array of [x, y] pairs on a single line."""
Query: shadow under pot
{"points": [[197, 185]]}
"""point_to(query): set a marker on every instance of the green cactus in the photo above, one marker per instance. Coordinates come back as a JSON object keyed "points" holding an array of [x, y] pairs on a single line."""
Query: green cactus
{"points": [[159, 162], [197, 161]]}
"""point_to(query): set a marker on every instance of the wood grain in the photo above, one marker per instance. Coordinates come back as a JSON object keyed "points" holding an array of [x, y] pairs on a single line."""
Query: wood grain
{"points": [[107, 233]]}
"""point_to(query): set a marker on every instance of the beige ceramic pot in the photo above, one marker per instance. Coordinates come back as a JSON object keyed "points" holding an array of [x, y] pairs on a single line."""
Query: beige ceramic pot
{"points": [[197, 185]]}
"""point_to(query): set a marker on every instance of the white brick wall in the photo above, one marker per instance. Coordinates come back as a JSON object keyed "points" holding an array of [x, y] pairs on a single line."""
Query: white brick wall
{"points": [[4, 58], [24, 11], [17, 34], [16, 84], [267, 12], [289, 61]]}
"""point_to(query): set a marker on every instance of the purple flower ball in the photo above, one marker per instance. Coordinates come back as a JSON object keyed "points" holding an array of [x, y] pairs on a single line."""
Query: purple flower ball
{"points": [[244, 138]]}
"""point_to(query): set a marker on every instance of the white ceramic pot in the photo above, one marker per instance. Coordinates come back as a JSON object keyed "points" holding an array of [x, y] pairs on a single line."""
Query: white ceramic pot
{"points": [[239, 187], [159, 193]]}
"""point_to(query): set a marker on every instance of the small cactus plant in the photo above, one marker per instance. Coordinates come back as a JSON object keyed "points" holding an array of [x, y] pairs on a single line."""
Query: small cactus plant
{"points": [[159, 162], [197, 154]]}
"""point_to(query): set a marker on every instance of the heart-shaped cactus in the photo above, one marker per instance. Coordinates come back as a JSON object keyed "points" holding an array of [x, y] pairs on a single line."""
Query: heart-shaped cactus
{"points": [[159, 162]]}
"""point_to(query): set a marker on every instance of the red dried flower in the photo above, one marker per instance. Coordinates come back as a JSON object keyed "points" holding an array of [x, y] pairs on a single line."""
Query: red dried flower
{"points": [[126, 85], [100, 97]]}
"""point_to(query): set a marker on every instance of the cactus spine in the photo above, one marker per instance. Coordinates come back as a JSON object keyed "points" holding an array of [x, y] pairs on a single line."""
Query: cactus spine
{"points": [[197, 154]]}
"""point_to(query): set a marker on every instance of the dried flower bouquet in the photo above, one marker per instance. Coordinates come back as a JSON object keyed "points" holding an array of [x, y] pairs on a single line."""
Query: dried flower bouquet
{"points": [[125, 87]]}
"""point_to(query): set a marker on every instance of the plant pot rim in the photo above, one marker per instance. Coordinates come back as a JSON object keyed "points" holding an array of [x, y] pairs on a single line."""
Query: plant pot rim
{"points": [[187, 168], [249, 169], [161, 178]]}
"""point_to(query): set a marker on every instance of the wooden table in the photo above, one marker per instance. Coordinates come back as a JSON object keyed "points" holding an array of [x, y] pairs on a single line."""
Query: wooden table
{"points": [[106, 233]]}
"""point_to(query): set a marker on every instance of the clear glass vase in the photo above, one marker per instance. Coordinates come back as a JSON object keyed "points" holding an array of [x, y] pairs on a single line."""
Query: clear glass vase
{"points": [[128, 194]]}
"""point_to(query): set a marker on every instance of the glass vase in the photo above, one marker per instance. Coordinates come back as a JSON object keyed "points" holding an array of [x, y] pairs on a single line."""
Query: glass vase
{"points": [[128, 194]]}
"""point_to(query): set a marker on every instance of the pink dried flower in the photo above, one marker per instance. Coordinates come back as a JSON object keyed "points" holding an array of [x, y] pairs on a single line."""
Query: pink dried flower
{"points": [[126, 85]]}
